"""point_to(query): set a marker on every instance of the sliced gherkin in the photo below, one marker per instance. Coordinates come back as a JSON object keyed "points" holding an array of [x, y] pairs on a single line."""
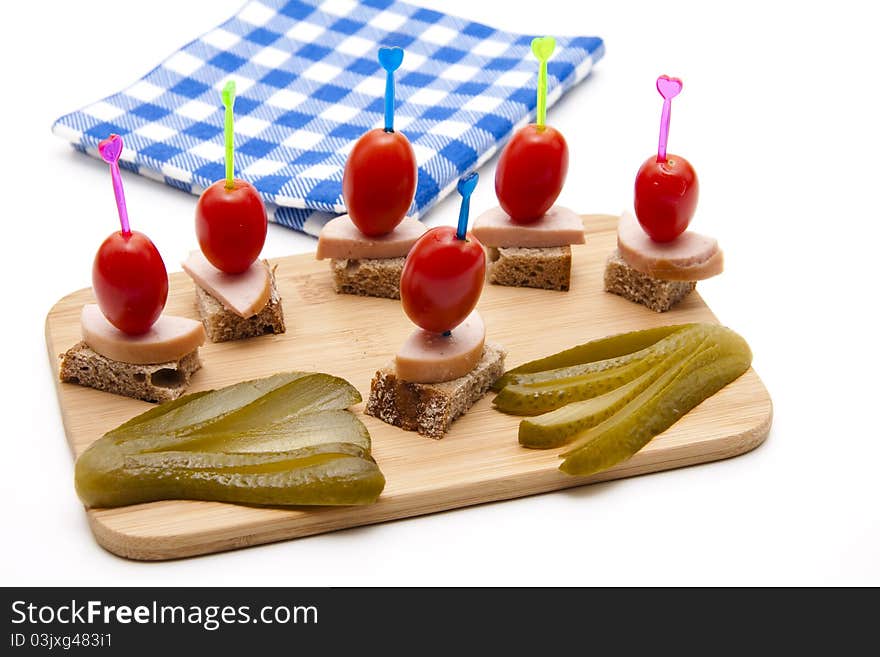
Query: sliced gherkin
{"points": [[560, 426], [543, 396], [309, 394], [647, 357], [330, 474], [659, 406], [196, 409], [601, 349], [283, 440], [333, 426]]}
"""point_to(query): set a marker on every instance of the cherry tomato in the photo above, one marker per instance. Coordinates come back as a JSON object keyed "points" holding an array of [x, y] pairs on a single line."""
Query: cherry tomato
{"points": [[231, 225], [531, 172], [379, 181], [442, 279], [130, 281], [666, 196]]}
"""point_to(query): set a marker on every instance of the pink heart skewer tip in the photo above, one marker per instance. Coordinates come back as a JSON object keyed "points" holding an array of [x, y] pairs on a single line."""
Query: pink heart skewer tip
{"points": [[668, 87], [110, 149]]}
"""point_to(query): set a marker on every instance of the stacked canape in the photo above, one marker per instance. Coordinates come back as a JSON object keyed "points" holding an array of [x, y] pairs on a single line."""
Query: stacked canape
{"points": [[445, 365], [128, 346], [528, 237], [236, 292], [367, 247], [658, 261]]}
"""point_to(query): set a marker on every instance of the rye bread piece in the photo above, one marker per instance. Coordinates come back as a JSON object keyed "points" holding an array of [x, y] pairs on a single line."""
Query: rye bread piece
{"points": [[430, 408], [655, 293], [223, 325], [153, 383], [374, 277], [547, 268]]}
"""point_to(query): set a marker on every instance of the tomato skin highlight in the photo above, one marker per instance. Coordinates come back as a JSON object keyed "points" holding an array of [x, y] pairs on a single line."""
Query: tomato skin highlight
{"points": [[379, 181], [442, 279], [231, 225], [665, 196], [531, 172], [130, 281]]}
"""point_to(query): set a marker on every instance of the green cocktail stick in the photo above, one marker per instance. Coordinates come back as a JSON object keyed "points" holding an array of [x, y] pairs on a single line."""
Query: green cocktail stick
{"points": [[228, 95], [543, 47]]}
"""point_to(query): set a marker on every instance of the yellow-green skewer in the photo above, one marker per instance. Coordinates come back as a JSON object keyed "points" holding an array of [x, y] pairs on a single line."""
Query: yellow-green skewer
{"points": [[228, 95], [542, 47]]}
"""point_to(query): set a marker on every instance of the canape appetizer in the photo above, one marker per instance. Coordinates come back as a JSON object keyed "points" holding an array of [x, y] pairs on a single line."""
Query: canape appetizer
{"points": [[658, 261], [446, 365], [528, 237], [235, 291], [367, 247], [128, 346]]}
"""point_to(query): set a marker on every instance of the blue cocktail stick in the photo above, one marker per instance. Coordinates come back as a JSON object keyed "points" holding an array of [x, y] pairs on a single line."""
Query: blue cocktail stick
{"points": [[466, 186], [390, 59]]}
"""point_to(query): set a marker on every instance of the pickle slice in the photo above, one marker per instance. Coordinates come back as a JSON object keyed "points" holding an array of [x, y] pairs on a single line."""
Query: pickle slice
{"points": [[601, 349], [335, 426], [560, 426], [315, 392], [707, 370], [331, 474], [284, 440], [195, 409], [543, 396], [647, 357]]}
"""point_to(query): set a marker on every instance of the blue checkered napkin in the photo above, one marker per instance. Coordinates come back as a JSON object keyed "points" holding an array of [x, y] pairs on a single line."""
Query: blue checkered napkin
{"points": [[309, 84]]}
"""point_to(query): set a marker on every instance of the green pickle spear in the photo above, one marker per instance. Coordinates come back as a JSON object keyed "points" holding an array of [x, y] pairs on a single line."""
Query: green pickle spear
{"points": [[547, 394], [284, 440], [560, 426], [601, 349], [618, 438], [646, 357], [625, 390]]}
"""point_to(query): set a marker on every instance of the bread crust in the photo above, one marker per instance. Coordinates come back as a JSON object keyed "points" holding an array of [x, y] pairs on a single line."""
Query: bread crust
{"points": [[547, 268], [222, 325], [159, 382], [374, 277], [655, 293], [430, 408]]}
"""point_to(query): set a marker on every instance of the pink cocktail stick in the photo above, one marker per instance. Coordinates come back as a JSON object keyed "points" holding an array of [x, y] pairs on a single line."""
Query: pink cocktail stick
{"points": [[669, 88], [110, 150]]}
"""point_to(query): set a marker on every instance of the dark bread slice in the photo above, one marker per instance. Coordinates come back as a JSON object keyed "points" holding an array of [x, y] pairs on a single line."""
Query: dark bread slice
{"points": [[153, 383], [223, 325], [655, 293], [547, 268], [370, 277], [430, 408]]}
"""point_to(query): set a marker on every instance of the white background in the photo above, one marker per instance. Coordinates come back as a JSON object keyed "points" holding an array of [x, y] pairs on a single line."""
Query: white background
{"points": [[779, 117]]}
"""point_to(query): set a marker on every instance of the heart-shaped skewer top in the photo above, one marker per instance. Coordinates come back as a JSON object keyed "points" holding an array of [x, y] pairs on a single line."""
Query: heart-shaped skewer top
{"points": [[390, 59], [110, 149], [668, 87], [466, 186], [542, 48]]}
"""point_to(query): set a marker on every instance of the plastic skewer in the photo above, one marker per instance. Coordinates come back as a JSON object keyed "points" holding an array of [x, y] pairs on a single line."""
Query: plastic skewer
{"points": [[390, 59], [542, 48], [228, 95], [465, 187], [669, 88], [110, 150]]}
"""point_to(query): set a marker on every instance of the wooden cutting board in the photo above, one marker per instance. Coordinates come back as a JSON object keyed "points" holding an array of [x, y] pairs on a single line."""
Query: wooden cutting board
{"points": [[478, 461]]}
